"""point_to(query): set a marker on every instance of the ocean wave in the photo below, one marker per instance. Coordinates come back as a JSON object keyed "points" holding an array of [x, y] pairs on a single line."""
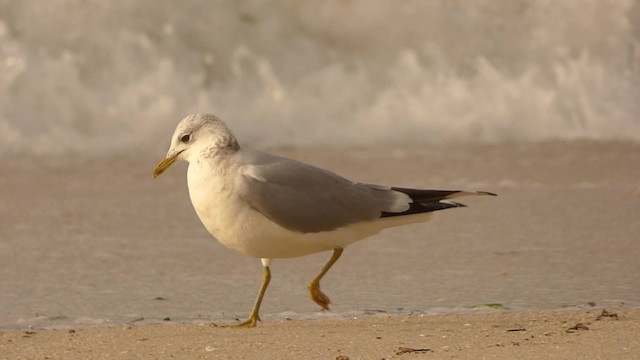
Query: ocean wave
{"points": [[103, 77]]}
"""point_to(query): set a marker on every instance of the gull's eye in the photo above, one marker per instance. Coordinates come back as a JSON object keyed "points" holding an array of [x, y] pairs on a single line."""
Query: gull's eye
{"points": [[185, 138]]}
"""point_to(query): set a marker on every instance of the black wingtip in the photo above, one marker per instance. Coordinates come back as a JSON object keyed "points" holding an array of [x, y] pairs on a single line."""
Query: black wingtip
{"points": [[432, 200], [444, 204], [486, 193], [454, 203], [426, 207]]}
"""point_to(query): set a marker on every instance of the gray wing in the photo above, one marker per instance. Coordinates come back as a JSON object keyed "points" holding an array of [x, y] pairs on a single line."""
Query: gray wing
{"points": [[307, 199]]}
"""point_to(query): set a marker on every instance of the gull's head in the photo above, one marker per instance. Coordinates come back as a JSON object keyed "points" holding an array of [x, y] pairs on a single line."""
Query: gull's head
{"points": [[197, 134]]}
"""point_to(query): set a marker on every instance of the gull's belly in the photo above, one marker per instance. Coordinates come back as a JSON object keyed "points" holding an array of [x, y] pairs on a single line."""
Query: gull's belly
{"points": [[239, 227]]}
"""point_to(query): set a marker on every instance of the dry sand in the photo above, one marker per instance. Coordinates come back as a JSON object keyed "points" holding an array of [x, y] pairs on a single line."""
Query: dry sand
{"points": [[583, 334]]}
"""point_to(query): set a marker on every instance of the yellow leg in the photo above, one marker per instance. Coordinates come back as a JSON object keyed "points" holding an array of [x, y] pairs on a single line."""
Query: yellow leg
{"points": [[254, 317], [316, 294]]}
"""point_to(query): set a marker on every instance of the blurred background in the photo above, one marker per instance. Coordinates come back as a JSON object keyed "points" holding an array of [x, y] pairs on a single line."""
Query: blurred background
{"points": [[107, 77]]}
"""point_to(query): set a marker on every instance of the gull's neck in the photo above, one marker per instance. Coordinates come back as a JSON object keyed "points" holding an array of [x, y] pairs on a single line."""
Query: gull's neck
{"points": [[214, 153]]}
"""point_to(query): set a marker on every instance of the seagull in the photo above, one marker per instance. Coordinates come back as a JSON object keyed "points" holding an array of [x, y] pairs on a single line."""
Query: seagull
{"points": [[271, 207]]}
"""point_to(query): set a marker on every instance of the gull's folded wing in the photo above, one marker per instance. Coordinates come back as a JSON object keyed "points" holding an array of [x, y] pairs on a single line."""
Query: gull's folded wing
{"points": [[306, 199]]}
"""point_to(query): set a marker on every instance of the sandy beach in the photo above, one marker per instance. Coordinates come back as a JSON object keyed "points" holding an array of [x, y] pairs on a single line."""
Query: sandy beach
{"points": [[584, 334], [99, 261]]}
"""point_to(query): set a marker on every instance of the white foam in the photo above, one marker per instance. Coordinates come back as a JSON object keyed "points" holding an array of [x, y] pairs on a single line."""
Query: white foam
{"points": [[104, 78]]}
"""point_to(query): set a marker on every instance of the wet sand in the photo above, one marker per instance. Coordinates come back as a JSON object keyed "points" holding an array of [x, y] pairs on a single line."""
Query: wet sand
{"points": [[95, 242], [583, 334]]}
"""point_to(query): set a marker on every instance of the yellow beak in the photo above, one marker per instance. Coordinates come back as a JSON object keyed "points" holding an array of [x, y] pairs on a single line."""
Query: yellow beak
{"points": [[164, 164]]}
